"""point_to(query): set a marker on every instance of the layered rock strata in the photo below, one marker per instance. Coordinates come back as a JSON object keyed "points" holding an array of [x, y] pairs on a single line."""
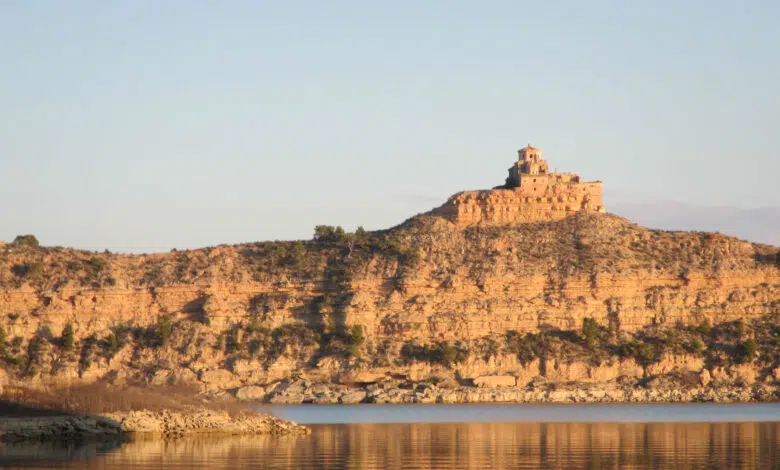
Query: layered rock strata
{"points": [[258, 314]]}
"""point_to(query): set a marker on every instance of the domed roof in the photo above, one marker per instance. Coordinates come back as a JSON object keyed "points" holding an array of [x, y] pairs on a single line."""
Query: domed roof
{"points": [[530, 148]]}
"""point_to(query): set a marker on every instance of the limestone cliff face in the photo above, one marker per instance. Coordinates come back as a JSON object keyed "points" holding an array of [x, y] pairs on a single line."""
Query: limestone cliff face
{"points": [[460, 284], [426, 280]]}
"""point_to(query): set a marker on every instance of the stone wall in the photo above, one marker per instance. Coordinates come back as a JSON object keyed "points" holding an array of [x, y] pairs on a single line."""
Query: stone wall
{"points": [[531, 194], [547, 198]]}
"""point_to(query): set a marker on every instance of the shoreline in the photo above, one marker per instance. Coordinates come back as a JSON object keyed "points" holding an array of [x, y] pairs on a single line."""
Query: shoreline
{"points": [[302, 392], [145, 424]]}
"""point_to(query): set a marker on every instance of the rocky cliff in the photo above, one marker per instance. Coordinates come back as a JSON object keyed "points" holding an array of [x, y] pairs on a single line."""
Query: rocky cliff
{"points": [[590, 298]]}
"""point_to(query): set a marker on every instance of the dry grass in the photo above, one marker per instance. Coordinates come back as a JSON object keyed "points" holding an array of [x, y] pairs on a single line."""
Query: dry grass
{"points": [[100, 398]]}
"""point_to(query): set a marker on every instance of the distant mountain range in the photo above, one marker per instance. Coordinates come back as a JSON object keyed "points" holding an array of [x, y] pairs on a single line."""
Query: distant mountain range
{"points": [[760, 225]]}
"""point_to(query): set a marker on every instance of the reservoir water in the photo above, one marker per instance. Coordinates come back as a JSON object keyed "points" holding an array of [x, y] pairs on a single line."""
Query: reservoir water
{"points": [[456, 436]]}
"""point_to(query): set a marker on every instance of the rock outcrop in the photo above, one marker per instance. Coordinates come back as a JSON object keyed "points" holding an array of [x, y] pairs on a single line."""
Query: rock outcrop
{"points": [[161, 423], [427, 299]]}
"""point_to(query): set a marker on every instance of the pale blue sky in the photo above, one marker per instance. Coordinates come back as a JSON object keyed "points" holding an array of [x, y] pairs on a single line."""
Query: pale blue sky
{"points": [[145, 125]]}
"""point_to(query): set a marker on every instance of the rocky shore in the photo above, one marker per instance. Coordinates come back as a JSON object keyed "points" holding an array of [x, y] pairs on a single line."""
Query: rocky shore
{"points": [[164, 423], [303, 391]]}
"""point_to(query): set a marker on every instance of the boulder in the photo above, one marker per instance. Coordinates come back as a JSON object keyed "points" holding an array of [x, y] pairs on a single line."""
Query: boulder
{"points": [[217, 377], [320, 389], [287, 399], [243, 367], [745, 373], [353, 397], [185, 375], [326, 400], [251, 392], [366, 377], [161, 377], [495, 381]]}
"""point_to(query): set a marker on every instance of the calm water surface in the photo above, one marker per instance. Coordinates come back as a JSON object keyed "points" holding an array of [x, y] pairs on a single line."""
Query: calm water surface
{"points": [[458, 436]]}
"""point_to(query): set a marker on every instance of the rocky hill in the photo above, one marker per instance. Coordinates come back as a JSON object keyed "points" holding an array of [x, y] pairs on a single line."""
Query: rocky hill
{"points": [[538, 308]]}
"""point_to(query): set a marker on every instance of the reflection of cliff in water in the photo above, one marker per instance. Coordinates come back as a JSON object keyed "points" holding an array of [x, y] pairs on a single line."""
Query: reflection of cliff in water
{"points": [[483, 445], [52, 453]]}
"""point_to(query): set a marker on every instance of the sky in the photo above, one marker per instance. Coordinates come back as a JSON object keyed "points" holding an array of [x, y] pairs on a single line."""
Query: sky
{"points": [[143, 126]]}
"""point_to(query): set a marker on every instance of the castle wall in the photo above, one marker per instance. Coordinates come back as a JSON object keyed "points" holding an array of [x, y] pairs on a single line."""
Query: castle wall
{"points": [[531, 194], [545, 201], [547, 198]]}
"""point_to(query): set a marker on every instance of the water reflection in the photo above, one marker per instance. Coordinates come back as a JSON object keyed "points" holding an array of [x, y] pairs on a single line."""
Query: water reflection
{"points": [[450, 445]]}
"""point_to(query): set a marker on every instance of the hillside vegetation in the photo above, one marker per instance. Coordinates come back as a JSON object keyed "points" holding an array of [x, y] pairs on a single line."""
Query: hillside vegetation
{"points": [[422, 300]]}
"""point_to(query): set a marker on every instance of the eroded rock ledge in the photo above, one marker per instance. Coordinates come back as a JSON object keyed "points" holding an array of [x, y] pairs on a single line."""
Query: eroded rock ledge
{"points": [[146, 423], [612, 392]]}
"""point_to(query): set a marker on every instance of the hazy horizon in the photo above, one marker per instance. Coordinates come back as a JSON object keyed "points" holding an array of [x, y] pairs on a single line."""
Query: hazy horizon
{"points": [[146, 126], [758, 225]]}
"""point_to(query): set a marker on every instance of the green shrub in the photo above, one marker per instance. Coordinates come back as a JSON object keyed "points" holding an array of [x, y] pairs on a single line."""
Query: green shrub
{"points": [[441, 353], [739, 328], [233, 340], [28, 270], [746, 351], [163, 330], [704, 328], [647, 353], [87, 352], [111, 344], [329, 233], [4, 353], [34, 354], [26, 240], [94, 267], [590, 331], [355, 340], [295, 335], [521, 345], [697, 347], [68, 337]]}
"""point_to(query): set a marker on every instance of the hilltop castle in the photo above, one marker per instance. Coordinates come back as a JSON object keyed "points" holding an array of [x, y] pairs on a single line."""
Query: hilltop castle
{"points": [[531, 193]]}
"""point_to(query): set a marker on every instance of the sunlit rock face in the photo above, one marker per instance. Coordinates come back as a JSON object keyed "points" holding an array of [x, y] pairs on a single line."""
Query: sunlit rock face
{"points": [[348, 308], [531, 193]]}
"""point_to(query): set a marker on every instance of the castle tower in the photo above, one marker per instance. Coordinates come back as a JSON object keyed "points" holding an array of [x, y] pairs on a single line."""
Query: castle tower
{"points": [[531, 193], [529, 163]]}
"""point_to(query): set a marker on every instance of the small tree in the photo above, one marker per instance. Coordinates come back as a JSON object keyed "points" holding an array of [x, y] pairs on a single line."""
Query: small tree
{"points": [[112, 345], [329, 233], [68, 337], [698, 347], [163, 330], [26, 240], [647, 353], [3, 347], [590, 331], [297, 253], [355, 340], [449, 353], [34, 354], [739, 328], [362, 235], [233, 340], [747, 351]]}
